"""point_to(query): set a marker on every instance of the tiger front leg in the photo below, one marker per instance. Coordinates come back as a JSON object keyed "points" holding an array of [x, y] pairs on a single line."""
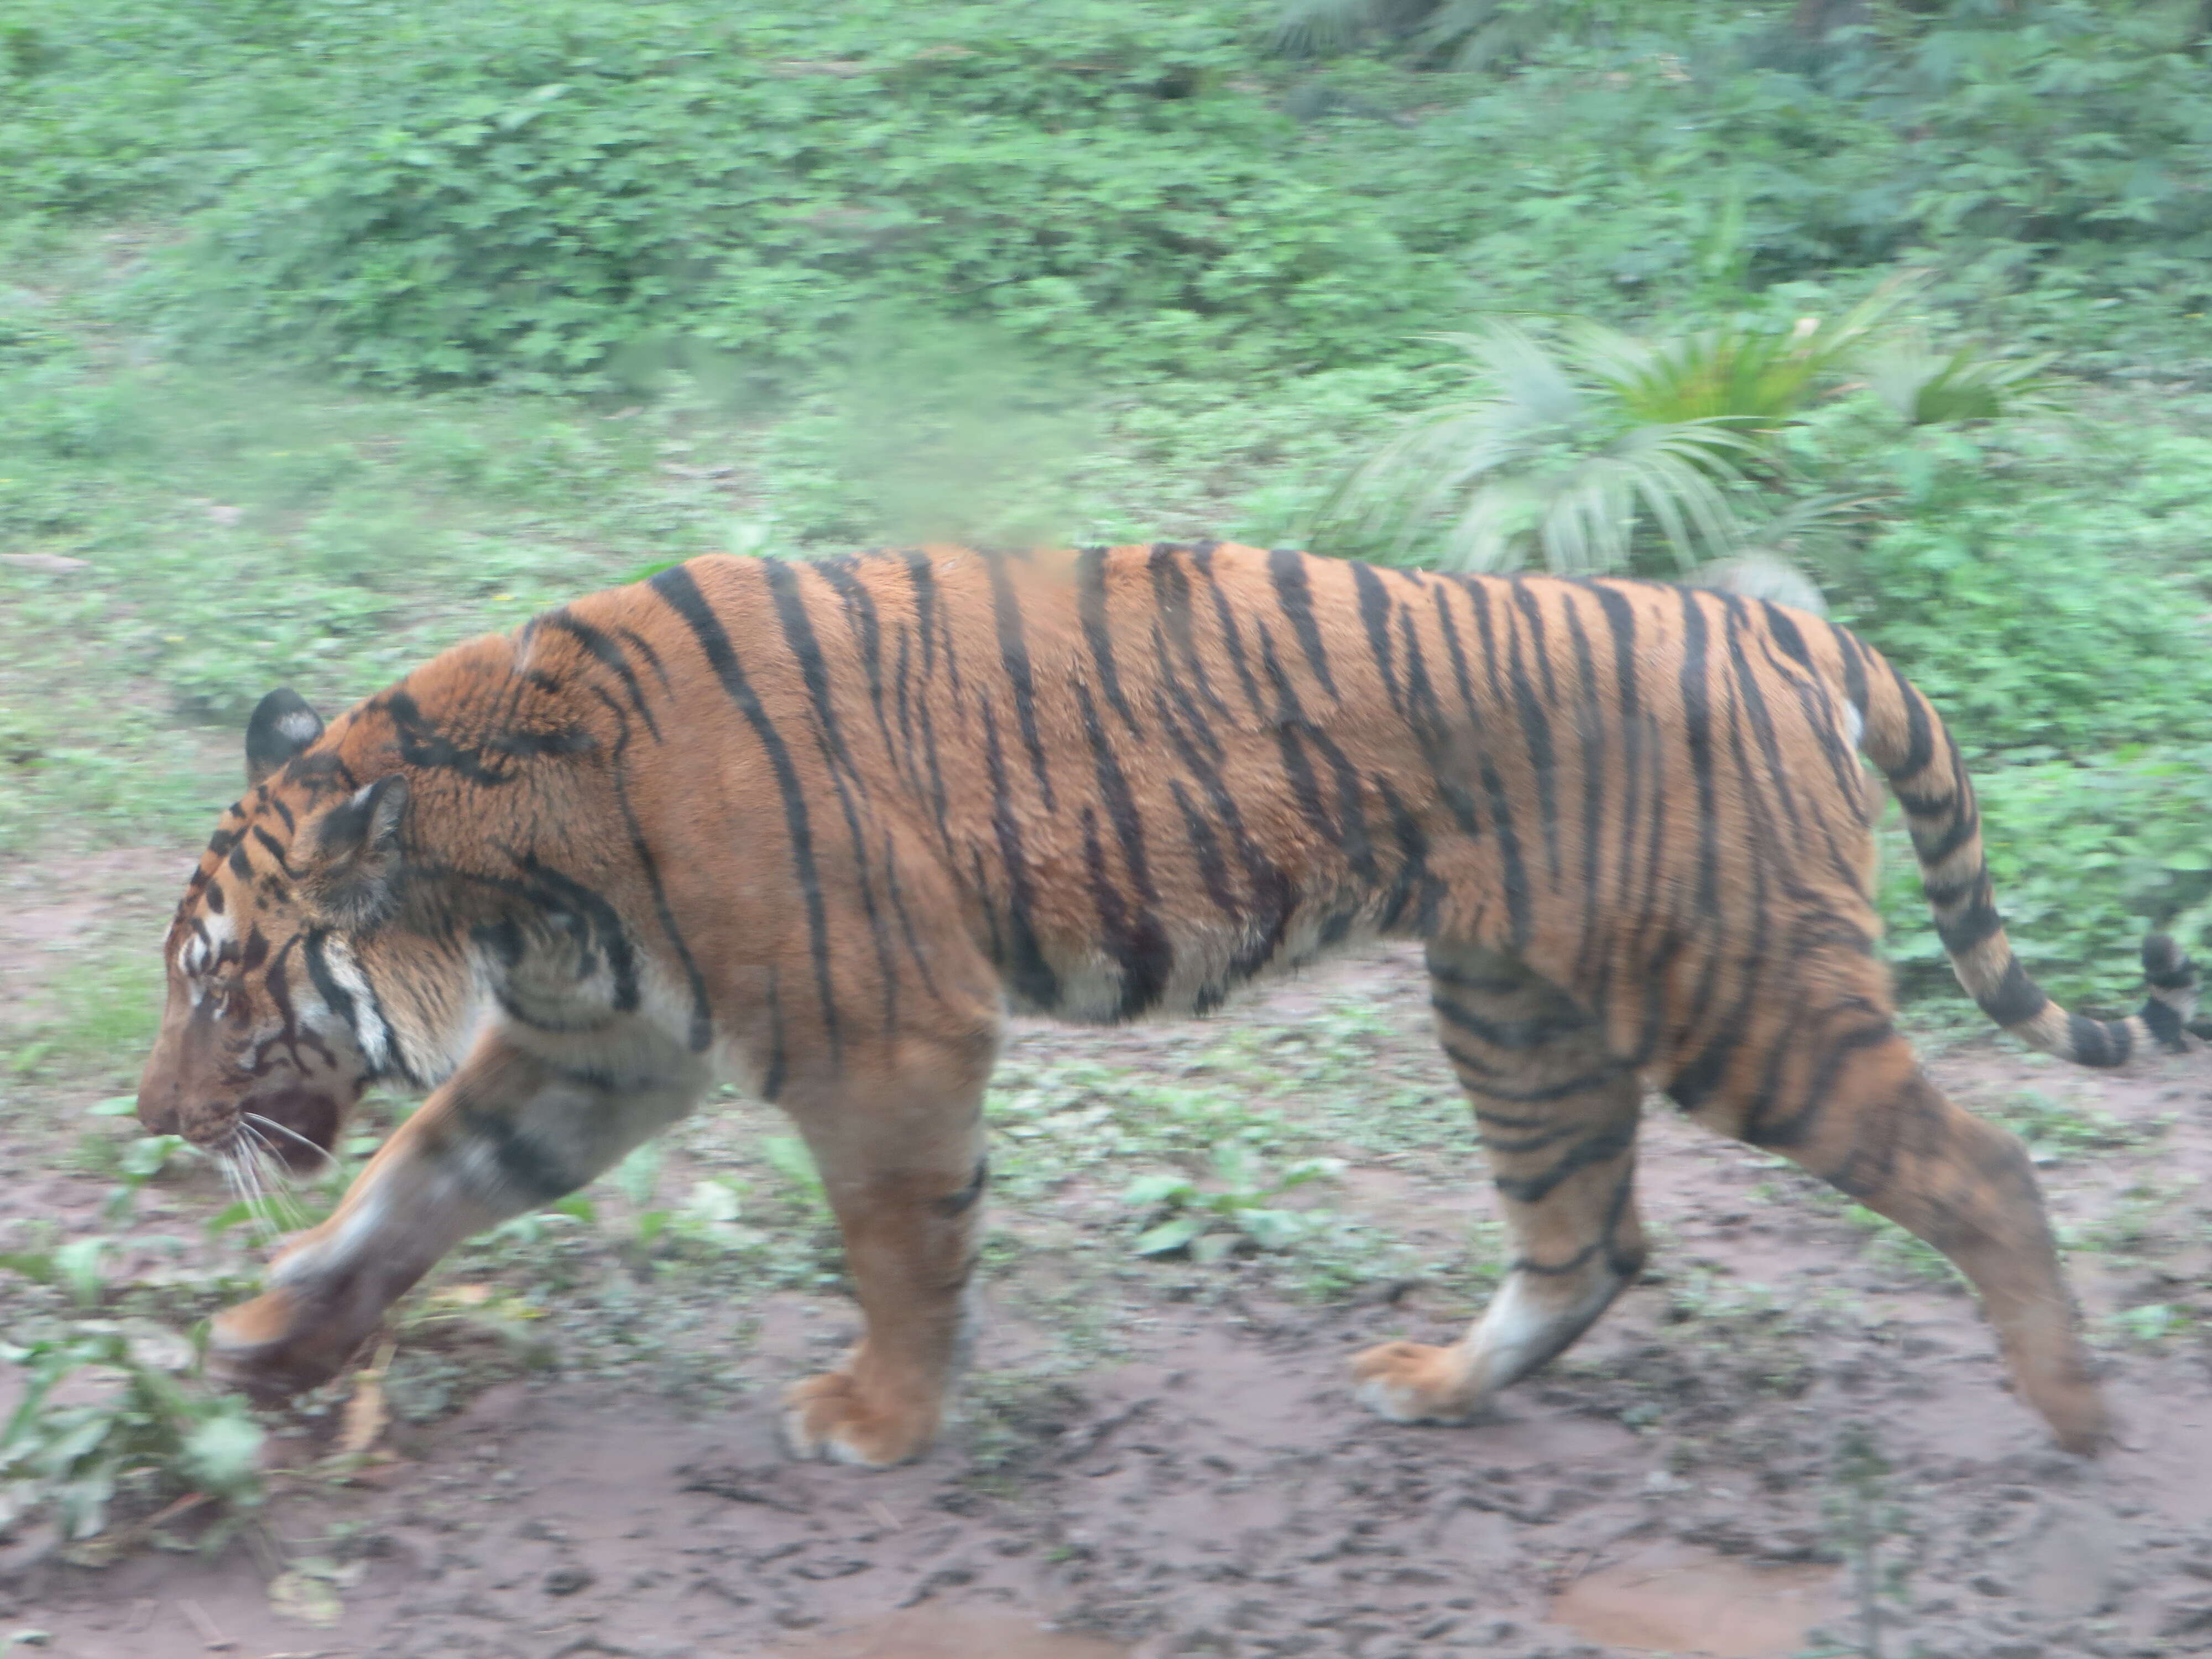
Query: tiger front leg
{"points": [[508, 1133], [903, 1168]]}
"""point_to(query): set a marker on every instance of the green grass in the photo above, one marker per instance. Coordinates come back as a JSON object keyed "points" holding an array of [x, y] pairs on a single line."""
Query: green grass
{"points": [[100, 1012]]}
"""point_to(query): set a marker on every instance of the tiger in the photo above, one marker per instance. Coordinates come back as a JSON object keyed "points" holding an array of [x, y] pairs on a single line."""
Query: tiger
{"points": [[819, 829]]}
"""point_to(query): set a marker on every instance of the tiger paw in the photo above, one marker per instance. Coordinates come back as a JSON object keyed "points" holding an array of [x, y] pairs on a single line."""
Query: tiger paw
{"points": [[273, 1347], [830, 1417], [1413, 1383]]}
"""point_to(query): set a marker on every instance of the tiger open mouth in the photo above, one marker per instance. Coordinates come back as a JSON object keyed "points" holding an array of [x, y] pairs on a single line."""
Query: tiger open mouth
{"points": [[297, 1127]]}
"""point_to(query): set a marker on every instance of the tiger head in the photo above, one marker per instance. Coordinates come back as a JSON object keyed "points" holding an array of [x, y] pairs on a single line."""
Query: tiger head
{"points": [[274, 1027]]}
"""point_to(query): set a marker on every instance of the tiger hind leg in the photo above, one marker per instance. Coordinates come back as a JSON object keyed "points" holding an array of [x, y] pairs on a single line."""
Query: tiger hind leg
{"points": [[1559, 1114], [1840, 1092]]}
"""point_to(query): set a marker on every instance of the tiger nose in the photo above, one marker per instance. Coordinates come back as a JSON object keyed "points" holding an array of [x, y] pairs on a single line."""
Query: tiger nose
{"points": [[160, 1117]]}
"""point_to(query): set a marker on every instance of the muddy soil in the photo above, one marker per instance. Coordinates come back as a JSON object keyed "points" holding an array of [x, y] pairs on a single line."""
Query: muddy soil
{"points": [[1795, 1430]]}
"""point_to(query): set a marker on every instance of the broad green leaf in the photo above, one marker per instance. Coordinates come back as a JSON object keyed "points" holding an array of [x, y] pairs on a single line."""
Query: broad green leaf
{"points": [[1171, 1234], [638, 1176], [1273, 1230], [222, 1454], [1148, 1192]]}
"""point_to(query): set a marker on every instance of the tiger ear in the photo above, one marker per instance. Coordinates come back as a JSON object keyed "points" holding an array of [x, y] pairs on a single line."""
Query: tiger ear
{"points": [[354, 868], [282, 727]]}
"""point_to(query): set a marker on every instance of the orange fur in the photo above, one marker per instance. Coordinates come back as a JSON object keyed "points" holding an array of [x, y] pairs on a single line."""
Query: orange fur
{"points": [[817, 827]]}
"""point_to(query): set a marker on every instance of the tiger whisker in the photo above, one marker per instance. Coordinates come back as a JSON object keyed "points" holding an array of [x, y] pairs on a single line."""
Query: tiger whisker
{"points": [[272, 1206], [271, 1123]]}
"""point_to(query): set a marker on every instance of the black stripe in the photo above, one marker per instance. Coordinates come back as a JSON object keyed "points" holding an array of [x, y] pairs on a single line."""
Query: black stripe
{"points": [[1621, 624], [274, 847], [554, 889], [643, 646], [1294, 593], [609, 655], [1820, 1087], [1171, 601], [805, 649], [1425, 714], [1206, 848], [1121, 802], [1590, 736], [1289, 721], [798, 634], [1609, 1071], [526, 1165], [1034, 977], [2015, 999], [1944, 894], [1514, 1035], [1014, 653], [1136, 941], [924, 582], [682, 595], [2164, 1021], [702, 1027], [1919, 739], [773, 1074], [1786, 635], [1961, 933], [1513, 874], [2099, 1042], [1375, 615], [867, 628], [1753, 701], [335, 996], [1696, 722], [1602, 1147], [1232, 638], [1202, 729], [1963, 828], [1090, 608], [1275, 898], [954, 1205], [1855, 678], [1414, 879], [914, 946]]}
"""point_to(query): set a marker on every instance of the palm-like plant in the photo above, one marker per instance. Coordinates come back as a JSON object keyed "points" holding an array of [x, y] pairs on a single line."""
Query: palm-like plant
{"points": [[1603, 451], [1548, 465], [1924, 386]]}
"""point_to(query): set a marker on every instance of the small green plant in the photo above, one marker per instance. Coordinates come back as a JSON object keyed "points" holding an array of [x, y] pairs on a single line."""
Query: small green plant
{"points": [[146, 1434], [2151, 1324], [1862, 1514], [79, 1267], [788, 1157], [1901, 1251], [132, 1163], [1213, 1222], [637, 1177], [2054, 1131], [713, 1215]]}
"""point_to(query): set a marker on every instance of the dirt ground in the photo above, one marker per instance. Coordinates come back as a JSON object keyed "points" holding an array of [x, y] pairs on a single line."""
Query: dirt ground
{"points": [[1795, 1413]]}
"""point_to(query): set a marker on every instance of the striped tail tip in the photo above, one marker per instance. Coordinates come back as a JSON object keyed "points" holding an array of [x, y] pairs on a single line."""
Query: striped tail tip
{"points": [[2172, 977]]}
